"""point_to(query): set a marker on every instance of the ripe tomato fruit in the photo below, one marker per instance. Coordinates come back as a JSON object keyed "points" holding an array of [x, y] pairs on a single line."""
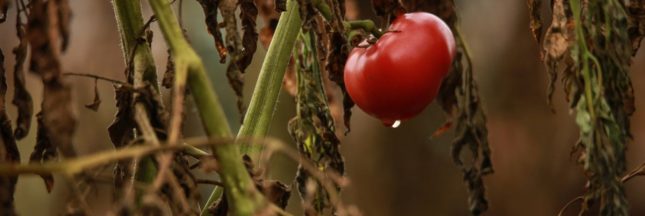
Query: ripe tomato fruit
{"points": [[395, 78]]}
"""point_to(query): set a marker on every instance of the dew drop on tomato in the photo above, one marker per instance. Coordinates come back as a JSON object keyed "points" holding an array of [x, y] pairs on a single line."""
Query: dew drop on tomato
{"points": [[392, 124]]}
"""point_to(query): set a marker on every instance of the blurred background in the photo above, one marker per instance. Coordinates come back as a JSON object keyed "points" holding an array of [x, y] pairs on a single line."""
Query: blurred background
{"points": [[402, 171]]}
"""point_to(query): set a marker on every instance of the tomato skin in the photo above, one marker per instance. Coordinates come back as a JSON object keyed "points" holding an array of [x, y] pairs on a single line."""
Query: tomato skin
{"points": [[399, 75]]}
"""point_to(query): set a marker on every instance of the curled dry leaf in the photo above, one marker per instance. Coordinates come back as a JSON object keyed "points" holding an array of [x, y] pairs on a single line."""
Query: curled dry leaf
{"points": [[557, 42], [21, 97], [594, 61], [43, 151], [235, 49], [248, 15], [169, 75], [8, 149], [58, 112], [338, 51], [459, 97], [121, 132], [313, 127], [210, 13]]}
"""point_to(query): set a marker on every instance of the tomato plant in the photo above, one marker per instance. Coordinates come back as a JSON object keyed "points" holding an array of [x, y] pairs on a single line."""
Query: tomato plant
{"points": [[395, 78]]}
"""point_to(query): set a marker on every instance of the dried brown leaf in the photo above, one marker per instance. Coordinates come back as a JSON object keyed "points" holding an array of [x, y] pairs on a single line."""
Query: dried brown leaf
{"points": [[44, 150], [8, 149], [121, 129], [210, 12], [313, 128], [59, 116], [338, 51], [248, 15], [235, 48], [169, 76], [557, 42], [21, 96], [459, 97]]}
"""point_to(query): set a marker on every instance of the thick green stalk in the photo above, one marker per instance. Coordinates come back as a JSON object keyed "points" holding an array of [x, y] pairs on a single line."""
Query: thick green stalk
{"points": [[263, 102], [130, 23], [265, 96], [241, 194]]}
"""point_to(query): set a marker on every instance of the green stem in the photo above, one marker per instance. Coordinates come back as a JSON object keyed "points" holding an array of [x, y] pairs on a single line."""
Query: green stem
{"points": [[263, 102], [242, 196], [130, 24], [323, 9], [366, 25]]}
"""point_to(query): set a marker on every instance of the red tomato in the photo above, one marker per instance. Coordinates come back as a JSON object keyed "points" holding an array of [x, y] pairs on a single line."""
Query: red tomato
{"points": [[395, 78]]}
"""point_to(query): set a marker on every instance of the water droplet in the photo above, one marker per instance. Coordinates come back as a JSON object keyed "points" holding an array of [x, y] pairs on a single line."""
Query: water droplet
{"points": [[392, 124], [396, 124]]}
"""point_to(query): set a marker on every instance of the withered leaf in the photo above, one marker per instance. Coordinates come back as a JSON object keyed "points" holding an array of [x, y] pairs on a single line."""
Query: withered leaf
{"points": [[8, 148], [44, 150], [21, 97], [594, 63], [97, 98], [459, 97], [557, 42], [210, 12], [338, 51], [121, 133], [313, 127], [58, 111], [536, 18], [248, 15], [234, 46], [169, 75], [121, 129]]}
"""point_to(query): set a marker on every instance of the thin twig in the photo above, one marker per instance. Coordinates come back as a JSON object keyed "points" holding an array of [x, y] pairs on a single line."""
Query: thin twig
{"points": [[210, 182], [114, 81], [639, 171], [74, 166], [566, 206]]}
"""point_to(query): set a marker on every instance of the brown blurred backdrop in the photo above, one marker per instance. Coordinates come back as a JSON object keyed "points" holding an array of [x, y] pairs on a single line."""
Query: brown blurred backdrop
{"points": [[399, 171]]}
